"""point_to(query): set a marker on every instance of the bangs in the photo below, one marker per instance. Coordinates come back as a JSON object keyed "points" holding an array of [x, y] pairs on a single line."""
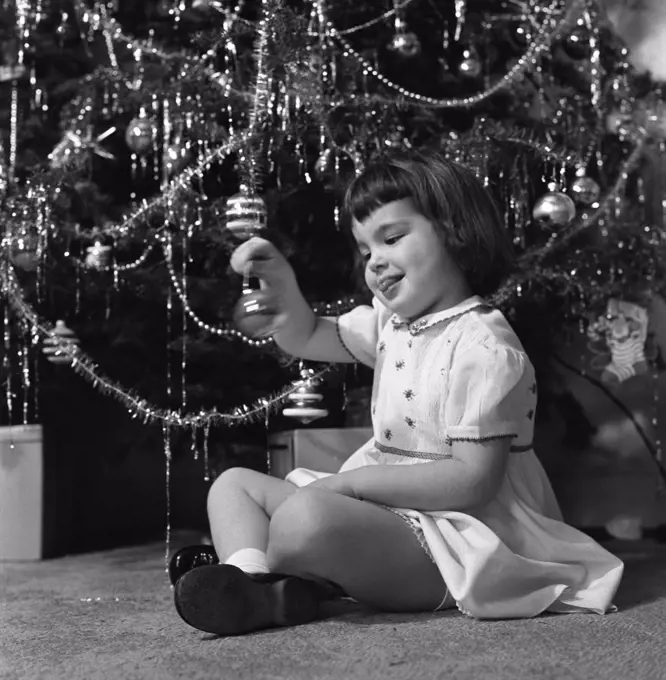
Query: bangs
{"points": [[379, 184]]}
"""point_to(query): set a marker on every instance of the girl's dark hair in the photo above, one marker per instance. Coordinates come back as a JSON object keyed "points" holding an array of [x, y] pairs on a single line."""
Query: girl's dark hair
{"points": [[452, 198]]}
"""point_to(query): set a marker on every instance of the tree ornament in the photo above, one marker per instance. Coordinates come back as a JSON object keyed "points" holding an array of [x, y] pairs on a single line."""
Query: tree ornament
{"points": [[336, 167], [554, 209], [624, 327], [621, 123], [305, 398], [245, 215], [470, 65], [584, 189], [4, 173], [577, 43], [208, 5], [61, 336], [175, 157], [98, 256], [141, 133], [74, 148], [521, 33], [255, 312], [404, 42]]}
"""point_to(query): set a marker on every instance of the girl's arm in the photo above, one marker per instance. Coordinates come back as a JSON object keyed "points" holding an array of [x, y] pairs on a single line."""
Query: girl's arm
{"points": [[470, 479]]}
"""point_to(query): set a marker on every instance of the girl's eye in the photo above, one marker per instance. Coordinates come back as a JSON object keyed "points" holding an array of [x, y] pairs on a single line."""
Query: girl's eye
{"points": [[365, 256], [391, 240]]}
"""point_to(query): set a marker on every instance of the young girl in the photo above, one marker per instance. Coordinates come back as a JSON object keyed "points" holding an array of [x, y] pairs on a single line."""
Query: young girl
{"points": [[447, 505]]}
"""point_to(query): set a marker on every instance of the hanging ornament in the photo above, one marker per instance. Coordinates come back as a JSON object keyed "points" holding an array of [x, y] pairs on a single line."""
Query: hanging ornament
{"points": [[305, 398], [141, 133], [470, 66], [336, 167], [255, 312], [73, 149], [98, 256], [554, 209], [12, 72], [62, 336], [404, 42], [584, 189], [624, 327], [621, 123], [209, 5], [245, 215], [577, 43], [176, 156], [520, 34]]}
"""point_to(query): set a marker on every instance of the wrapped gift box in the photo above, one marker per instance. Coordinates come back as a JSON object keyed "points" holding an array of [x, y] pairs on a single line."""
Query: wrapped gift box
{"points": [[21, 492], [323, 449]]}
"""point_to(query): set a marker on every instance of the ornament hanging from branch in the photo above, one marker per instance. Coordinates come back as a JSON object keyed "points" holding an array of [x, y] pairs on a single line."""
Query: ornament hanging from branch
{"points": [[554, 209], [624, 328], [141, 133], [74, 149], [61, 336], [245, 214], [98, 256], [305, 398]]}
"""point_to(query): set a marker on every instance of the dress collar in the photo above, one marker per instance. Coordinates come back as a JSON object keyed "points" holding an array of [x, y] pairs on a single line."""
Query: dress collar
{"points": [[430, 320]]}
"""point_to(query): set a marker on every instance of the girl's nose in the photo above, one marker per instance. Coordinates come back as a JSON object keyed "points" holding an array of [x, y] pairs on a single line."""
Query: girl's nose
{"points": [[376, 264]]}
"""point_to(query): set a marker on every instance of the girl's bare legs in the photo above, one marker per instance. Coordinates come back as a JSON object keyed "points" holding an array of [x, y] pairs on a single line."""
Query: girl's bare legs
{"points": [[240, 504], [368, 550]]}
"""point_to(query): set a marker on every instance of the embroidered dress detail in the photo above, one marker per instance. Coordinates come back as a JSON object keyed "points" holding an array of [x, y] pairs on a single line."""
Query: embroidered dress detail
{"points": [[411, 454], [488, 438]]}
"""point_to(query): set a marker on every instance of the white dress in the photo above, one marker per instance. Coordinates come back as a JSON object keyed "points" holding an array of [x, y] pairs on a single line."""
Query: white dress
{"points": [[462, 374]]}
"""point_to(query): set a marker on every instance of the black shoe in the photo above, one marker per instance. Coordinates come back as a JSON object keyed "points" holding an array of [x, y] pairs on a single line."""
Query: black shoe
{"points": [[189, 558], [224, 600]]}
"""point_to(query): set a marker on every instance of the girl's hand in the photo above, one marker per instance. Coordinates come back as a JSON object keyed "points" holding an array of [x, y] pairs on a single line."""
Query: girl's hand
{"points": [[336, 483], [259, 258]]}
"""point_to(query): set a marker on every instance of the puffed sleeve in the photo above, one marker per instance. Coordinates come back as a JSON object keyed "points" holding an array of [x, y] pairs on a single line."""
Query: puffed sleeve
{"points": [[491, 391], [359, 330]]}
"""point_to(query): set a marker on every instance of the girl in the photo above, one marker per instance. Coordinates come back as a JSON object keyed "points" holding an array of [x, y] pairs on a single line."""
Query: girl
{"points": [[447, 505]]}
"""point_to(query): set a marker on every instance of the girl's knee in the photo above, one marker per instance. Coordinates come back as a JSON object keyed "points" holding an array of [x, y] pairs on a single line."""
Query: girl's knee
{"points": [[236, 477], [301, 529]]}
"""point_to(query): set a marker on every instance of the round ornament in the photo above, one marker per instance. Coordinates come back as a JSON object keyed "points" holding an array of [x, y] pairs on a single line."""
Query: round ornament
{"points": [[98, 256], [140, 134], [620, 123], [577, 43], [584, 190], [254, 313], [175, 157], [404, 42], [470, 65], [305, 399], [52, 344], [245, 215], [336, 167], [554, 209]]}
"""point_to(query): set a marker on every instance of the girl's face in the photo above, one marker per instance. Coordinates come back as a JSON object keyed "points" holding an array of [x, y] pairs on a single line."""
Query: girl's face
{"points": [[407, 266]]}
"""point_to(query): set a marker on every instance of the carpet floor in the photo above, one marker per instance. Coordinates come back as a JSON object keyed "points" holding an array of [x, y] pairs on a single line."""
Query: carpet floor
{"points": [[110, 616]]}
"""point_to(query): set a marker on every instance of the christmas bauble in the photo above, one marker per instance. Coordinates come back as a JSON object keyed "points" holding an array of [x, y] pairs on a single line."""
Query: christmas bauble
{"points": [[470, 65], [621, 124], [175, 157], [554, 209], [61, 336], [336, 167], [140, 134], [98, 256], [25, 249], [245, 215], [584, 190], [404, 42], [255, 313], [305, 399], [577, 43]]}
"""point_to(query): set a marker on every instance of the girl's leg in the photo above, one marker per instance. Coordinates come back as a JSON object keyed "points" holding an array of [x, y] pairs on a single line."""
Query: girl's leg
{"points": [[366, 549], [240, 503]]}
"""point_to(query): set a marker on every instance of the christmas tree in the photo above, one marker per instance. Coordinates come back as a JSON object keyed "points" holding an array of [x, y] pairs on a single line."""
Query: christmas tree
{"points": [[133, 133]]}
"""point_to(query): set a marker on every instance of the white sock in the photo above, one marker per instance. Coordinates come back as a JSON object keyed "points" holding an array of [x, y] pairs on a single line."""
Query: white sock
{"points": [[250, 560]]}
